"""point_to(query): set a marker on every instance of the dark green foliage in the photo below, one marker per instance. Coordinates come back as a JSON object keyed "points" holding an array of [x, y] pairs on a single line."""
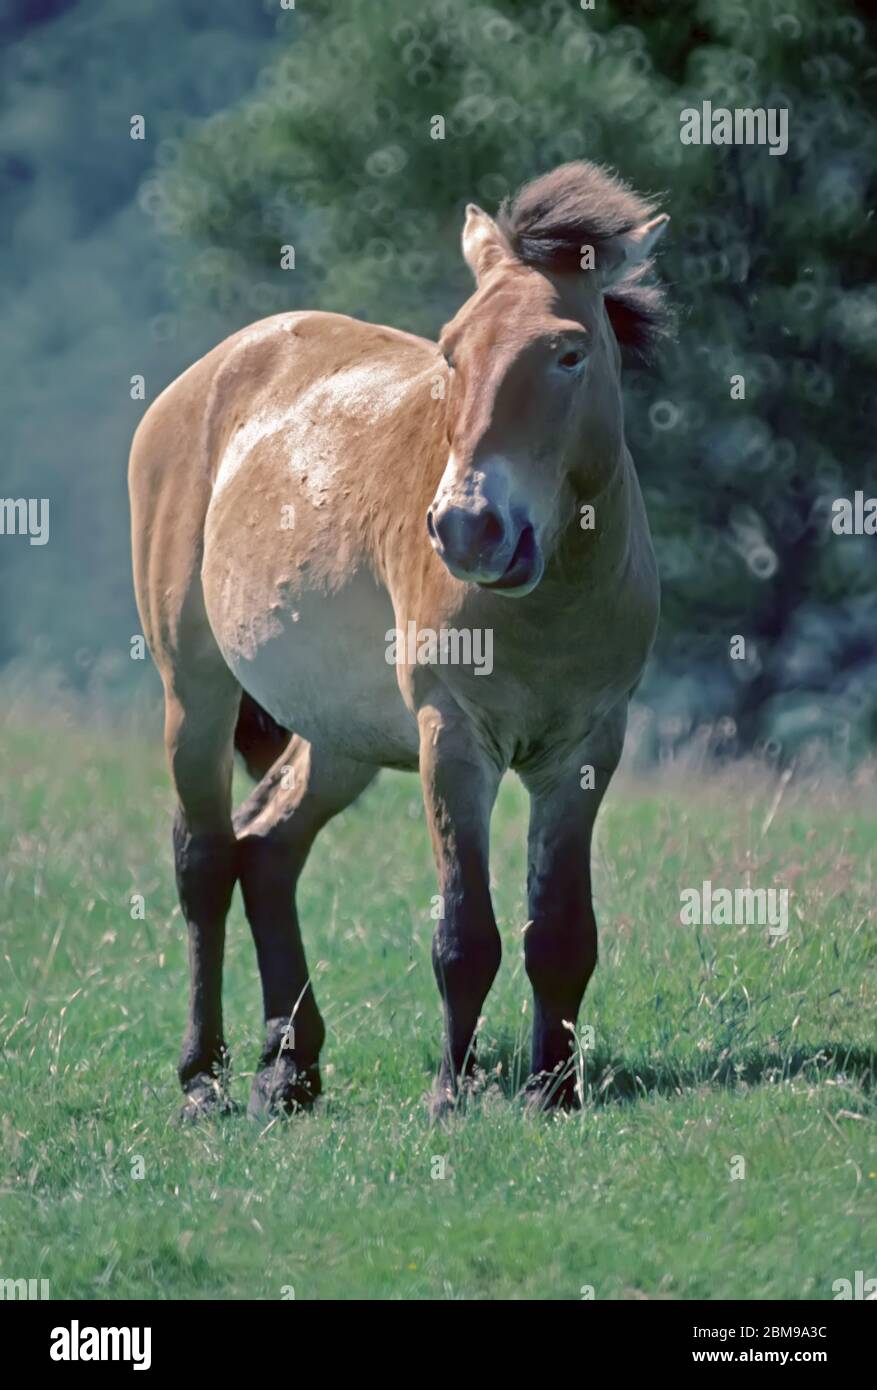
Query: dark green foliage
{"points": [[312, 127], [768, 261]]}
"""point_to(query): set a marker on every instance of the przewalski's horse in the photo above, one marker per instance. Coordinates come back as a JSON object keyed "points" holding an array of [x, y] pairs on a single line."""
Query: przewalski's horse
{"points": [[315, 483]]}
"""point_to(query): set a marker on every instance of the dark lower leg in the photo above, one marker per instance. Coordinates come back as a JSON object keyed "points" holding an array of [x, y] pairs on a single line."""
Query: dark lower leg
{"points": [[560, 952], [459, 784], [269, 872], [276, 827], [206, 872], [560, 945], [466, 955]]}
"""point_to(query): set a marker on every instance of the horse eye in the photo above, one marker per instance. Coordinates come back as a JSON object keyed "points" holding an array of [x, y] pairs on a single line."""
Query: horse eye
{"points": [[571, 359]]}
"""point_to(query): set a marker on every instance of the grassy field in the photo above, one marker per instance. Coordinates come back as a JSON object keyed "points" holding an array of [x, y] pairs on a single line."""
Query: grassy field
{"points": [[709, 1043]]}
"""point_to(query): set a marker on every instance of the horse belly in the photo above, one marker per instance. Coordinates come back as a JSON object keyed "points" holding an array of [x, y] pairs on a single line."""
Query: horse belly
{"points": [[316, 662]]}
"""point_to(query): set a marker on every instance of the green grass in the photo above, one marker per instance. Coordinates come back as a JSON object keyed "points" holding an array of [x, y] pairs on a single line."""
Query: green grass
{"points": [[710, 1043]]}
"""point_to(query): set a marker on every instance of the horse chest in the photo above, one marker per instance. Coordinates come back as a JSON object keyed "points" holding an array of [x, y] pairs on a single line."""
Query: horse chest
{"points": [[543, 695], [581, 659]]}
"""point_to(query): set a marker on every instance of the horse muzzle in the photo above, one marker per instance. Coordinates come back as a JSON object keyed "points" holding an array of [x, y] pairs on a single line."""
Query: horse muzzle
{"points": [[483, 547]]}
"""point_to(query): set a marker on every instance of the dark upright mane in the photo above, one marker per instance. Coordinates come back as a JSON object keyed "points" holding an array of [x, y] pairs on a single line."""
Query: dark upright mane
{"points": [[580, 204]]}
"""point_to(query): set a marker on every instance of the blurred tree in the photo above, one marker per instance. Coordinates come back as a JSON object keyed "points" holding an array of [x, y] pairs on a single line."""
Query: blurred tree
{"points": [[85, 299], [770, 260]]}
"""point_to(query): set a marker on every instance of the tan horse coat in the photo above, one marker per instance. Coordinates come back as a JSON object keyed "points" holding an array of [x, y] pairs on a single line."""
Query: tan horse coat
{"points": [[279, 491]]}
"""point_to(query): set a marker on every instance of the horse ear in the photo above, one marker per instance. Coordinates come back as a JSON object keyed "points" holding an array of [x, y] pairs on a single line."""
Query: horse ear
{"points": [[624, 253], [483, 242]]}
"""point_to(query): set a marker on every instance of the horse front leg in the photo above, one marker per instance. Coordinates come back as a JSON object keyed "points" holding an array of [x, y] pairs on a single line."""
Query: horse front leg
{"points": [[459, 785], [560, 942]]}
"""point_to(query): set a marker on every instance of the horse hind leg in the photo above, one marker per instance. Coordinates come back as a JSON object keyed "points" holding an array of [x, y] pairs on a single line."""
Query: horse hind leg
{"points": [[200, 714], [275, 829], [170, 494]]}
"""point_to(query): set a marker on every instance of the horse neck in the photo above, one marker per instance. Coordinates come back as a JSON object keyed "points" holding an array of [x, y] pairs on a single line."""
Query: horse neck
{"points": [[597, 557]]}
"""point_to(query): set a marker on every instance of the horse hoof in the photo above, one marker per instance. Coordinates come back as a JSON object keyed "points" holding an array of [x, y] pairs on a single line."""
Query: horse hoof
{"points": [[206, 1099], [441, 1103], [283, 1088], [448, 1098], [550, 1090]]}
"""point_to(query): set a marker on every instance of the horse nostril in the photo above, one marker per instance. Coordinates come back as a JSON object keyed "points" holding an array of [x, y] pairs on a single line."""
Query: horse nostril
{"points": [[492, 531], [471, 540]]}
